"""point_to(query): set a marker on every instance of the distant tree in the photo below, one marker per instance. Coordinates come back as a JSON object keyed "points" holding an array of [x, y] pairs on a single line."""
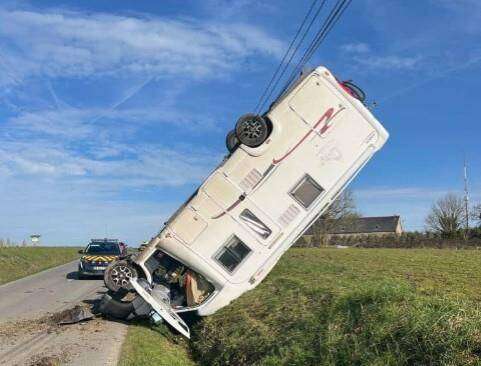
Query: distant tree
{"points": [[447, 216], [343, 206], [24, 243], [302, 242], [317, 238], [2, 242], [340, 213], [8, 242], [476, 214]]}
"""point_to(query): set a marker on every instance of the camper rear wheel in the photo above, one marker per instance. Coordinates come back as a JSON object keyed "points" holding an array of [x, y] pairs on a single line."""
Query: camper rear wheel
{"points": [[118, 274], [231, 141], [251, 130]]}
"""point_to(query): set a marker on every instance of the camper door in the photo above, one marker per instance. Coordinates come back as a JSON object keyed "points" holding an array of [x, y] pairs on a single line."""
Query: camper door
{"points": [[163, 309]]}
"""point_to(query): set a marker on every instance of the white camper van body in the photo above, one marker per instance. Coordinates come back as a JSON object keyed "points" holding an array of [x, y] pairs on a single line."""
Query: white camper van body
{"points": [[266, 197]]}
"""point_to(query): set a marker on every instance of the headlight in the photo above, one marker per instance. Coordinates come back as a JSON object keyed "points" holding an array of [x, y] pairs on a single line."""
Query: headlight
{"points": [[85, 263]]}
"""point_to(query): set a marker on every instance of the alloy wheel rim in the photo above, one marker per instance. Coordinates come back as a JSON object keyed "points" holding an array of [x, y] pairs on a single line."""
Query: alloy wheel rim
{"points": [[121, 275], [252, 129]]}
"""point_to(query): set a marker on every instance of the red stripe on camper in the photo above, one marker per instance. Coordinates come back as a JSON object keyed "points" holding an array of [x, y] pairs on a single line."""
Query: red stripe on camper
{"points": [[231, 207], [326, 117]]}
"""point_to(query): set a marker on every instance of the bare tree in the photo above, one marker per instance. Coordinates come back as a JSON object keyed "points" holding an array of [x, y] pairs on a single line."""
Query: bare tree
{"points": [[447, 216], [342, 207], [342, 212], [476, 214], [302, 242]]}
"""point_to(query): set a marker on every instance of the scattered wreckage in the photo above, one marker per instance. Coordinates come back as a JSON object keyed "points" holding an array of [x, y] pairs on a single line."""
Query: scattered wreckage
{"points": [[284, 169]]}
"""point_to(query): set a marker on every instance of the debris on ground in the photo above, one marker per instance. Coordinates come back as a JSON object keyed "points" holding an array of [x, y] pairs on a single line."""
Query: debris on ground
{"points": [[47, 361], [76, 314], [49, 323], [57, 338], [10, 330]]}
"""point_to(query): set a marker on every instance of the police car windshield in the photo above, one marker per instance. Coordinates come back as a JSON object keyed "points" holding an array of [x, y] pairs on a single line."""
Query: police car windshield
{"points": [[102, 248]]}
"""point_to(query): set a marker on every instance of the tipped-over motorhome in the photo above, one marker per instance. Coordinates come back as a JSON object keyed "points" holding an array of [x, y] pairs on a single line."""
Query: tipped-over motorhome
{"points": [[283, 170]]}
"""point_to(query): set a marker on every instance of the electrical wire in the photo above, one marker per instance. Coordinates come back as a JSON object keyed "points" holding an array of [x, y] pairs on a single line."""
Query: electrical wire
{"points": [[327, 29], [286, 65], [291, 45], [331, 20]]}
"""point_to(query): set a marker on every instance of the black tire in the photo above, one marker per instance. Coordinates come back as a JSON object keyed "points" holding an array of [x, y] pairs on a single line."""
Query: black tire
{"points": [[80, 276], [114, 308], [117, 274], [251, 130], [231, 141]]}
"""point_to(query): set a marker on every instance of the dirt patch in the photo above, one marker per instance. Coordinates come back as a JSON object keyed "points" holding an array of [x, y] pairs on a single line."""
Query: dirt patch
{"points": [[48, 360], [60, 338], [12, 329], [49, 323]]}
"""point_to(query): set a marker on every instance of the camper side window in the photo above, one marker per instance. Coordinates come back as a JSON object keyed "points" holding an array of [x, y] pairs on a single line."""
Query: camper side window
{"points": [[306, 191], [232, 254]]}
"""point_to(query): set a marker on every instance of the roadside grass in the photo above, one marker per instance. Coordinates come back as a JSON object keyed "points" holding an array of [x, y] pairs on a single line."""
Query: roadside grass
{"points": [[18, 262], [348, 307], [156, 345]]}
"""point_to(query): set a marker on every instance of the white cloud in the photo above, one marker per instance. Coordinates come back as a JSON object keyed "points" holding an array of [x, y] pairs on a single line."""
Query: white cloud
{"points": [[364, 56], [131, 166], [383, 193], [99, 123], [359, 47], [75, 159], [70, 196], [62, 43], [388, 62], [66, 214]]}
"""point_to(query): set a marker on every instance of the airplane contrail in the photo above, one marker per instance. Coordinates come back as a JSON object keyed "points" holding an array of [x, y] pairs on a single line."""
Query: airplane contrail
{"points": [[399, 92]]}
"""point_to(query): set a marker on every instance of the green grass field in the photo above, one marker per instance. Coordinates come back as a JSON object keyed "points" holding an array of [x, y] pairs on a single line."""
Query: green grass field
{"points": [[340, 307], [17, 262], [154, 346]]}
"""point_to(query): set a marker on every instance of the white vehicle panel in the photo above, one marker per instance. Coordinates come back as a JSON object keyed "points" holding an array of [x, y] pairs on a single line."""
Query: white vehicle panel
{"points": [[164, 310]]}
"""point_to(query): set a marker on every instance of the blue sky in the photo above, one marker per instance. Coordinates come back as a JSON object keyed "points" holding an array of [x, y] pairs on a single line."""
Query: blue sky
{"points": [[112, 112]]}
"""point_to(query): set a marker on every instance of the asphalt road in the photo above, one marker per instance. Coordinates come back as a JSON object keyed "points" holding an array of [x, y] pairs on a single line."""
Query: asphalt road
{"points": [[49, 290], [23, 301]]}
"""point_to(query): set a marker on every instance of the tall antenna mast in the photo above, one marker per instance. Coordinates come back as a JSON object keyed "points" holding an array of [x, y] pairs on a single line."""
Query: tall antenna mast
{"points": [[466, 196]]}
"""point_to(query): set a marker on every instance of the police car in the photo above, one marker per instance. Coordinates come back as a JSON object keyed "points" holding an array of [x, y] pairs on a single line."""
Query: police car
{"points": [[98, 254]]}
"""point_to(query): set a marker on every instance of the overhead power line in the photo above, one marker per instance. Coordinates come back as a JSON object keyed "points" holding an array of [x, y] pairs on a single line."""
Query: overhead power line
{"points": [[291, 45], [286, 65], [331, 20], [326, 27]]}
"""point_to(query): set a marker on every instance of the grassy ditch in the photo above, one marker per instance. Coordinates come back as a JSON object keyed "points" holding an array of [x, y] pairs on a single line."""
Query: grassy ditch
{"points": [[18, 262], [350, 307], [154, 346]]}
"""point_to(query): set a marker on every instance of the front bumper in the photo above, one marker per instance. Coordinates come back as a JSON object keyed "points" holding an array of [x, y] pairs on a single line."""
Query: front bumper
{"points": [[91, 273], [90, 270]]}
